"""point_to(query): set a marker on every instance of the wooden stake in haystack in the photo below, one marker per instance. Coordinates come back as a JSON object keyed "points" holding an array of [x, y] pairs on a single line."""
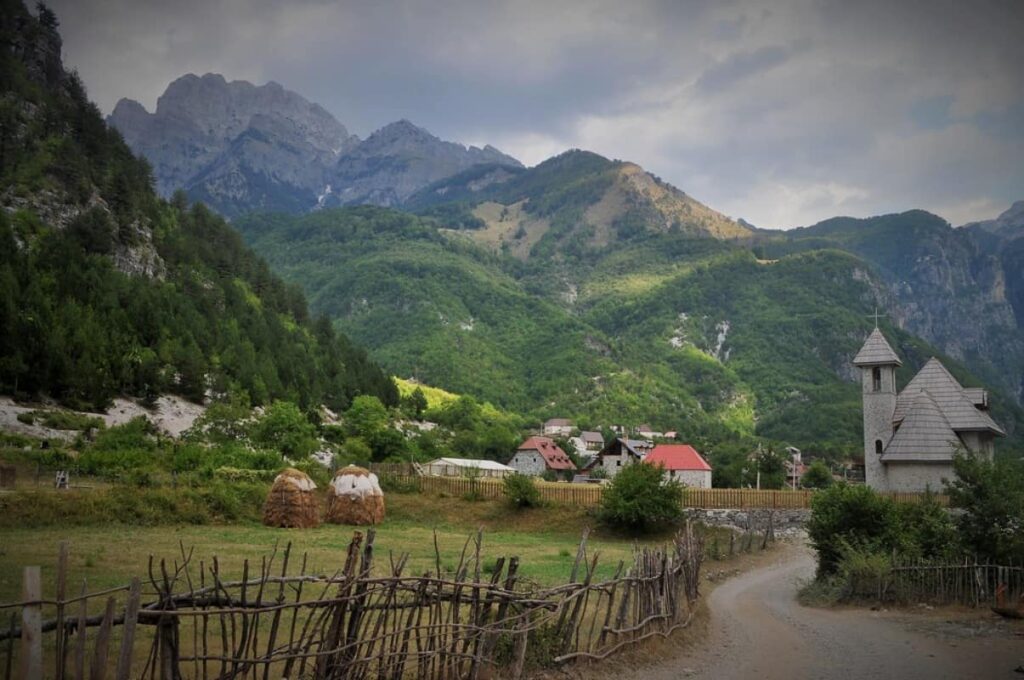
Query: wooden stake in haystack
{"points": [[292, 502], [354, 497]]}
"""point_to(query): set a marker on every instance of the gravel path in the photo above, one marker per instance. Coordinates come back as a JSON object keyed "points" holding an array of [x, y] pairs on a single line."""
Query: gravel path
{"points": [[758, 630]]}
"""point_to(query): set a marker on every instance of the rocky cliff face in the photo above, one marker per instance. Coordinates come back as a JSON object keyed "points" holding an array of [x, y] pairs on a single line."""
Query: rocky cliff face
{"points": [[399, 160], [241, 147], [961, 289]]}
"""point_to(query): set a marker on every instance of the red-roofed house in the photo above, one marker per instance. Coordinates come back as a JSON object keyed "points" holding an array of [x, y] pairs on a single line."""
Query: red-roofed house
{"points": [[538, 455], [682, 463]]}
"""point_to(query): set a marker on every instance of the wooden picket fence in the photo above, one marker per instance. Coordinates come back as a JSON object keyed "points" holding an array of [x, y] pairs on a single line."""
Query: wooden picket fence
{"points": [[967, 582], [589, 495], [367, 620]]}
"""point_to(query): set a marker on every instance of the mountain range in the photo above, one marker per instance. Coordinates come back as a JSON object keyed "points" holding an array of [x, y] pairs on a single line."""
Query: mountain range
{"points": [[585, 286], [240, 147], [581, 287]]}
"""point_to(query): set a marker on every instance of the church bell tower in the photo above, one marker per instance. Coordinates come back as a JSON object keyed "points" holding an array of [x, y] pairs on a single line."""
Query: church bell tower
{"points": [[877, 363]]}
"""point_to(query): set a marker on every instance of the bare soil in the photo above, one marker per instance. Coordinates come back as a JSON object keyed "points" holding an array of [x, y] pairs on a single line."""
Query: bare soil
{"points": [[757, 629]]}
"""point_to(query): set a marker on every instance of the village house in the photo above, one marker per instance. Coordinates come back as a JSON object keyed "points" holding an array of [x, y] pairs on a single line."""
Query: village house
{"points": [[645, 431], [593, 441], [910, 437], [618, 453], [795, 467], [538, 455], [558, 427], [682, 463]]}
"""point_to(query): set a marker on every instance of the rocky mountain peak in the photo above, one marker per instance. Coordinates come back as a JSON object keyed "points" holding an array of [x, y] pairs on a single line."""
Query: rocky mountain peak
{"points": [[241, 147]]}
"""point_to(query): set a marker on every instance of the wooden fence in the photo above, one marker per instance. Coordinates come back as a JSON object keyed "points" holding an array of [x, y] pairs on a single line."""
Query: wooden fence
{"points": [[968, 582], [368, 620], [589, 495]]}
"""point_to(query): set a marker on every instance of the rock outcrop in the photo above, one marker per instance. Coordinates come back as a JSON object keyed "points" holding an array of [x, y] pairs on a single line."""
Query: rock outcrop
{"points": [[240, 147]]}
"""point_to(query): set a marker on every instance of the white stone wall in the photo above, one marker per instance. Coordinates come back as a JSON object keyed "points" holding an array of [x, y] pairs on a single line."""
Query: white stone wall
{"points": [[528, 463], [612, 464], [915, 477], [695, 479]]}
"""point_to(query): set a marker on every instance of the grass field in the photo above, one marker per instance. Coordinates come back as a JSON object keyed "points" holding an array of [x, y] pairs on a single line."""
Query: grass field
{"points": [[544, 539]]}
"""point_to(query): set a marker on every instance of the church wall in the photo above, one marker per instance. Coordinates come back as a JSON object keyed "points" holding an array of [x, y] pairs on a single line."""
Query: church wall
{"points": [[915, 477]]}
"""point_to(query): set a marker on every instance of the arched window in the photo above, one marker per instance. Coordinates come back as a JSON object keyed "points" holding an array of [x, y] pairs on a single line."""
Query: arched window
{"points": [[878, 446], [876, 379]]}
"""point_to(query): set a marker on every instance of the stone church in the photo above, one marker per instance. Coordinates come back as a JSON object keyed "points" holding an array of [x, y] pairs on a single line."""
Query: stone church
{"points": [[910, 436]]}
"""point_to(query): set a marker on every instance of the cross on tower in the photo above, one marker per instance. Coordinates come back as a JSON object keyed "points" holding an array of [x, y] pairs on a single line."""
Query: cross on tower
{"points": [[876, 316]]}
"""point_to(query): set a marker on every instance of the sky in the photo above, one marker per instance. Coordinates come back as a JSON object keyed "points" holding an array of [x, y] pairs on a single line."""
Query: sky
{"points": [[782, 113]]}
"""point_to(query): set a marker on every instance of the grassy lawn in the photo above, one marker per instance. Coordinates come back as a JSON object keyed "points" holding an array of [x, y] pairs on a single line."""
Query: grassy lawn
{"points": [[106, 555]]}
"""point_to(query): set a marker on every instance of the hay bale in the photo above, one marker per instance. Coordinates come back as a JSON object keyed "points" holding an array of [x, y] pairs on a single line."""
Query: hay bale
{"points": [[292, 502], [354, 497]]}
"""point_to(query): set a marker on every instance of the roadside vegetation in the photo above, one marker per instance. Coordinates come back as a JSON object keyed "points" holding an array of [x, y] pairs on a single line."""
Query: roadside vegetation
{"points": [[859, 535]]}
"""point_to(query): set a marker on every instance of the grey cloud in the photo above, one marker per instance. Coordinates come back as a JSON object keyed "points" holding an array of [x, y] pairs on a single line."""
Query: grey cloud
{"points": [[740, 65], [781, 113]]}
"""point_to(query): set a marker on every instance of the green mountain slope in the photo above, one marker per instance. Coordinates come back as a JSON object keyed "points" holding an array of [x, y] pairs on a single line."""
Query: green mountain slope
{"points": [[567, 207], [107, 290], [689, 333], [958, 288]]}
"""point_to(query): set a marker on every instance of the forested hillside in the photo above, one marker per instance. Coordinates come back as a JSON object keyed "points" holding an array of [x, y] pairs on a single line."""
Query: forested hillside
{"points": [[961, 289], [106, 289], [687, 332]]}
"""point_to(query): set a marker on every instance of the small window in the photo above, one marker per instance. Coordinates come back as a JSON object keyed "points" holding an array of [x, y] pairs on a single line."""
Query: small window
{"points": [[876, 379], [878, 446]]}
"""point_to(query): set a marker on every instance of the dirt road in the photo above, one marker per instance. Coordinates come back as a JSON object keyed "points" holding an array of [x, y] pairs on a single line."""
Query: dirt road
{"points": [[758, 630]]}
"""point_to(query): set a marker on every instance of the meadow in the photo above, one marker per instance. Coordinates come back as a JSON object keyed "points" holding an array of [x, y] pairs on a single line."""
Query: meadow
{"points": [[108, 554]]}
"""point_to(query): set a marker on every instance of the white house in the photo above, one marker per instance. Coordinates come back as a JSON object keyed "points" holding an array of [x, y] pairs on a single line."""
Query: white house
{"points": [[910, 437], [558, 427], [682, 463]]}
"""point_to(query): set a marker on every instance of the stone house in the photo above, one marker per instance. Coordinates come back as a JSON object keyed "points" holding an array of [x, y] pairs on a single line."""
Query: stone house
{"points": [[618, 453], [682, 463], [538, 455], [910, 437]]}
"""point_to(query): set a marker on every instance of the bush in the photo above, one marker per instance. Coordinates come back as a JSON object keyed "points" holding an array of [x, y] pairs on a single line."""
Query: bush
{"points": [[639, 498], [521, 492], [852, 515], [817, 476], [992, 498]]}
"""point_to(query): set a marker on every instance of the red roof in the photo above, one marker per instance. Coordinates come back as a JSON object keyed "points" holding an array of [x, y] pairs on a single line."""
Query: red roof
{"points": [[677, 457], [553, 455]]}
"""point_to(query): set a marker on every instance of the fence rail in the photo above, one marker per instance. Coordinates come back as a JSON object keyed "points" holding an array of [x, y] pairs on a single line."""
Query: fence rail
{"points": [[365, 621], [589, 495]]}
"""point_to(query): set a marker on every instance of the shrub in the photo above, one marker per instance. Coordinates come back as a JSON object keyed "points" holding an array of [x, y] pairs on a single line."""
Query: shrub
{"points": [[817, 476], [640, 498], [992, 498], [521, 492], [852, 515], [285, 427]]}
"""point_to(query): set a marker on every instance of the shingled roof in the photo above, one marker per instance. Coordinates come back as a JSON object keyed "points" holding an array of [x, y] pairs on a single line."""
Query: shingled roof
{"points": [[876, 352], [956, 404], [925, 434]]}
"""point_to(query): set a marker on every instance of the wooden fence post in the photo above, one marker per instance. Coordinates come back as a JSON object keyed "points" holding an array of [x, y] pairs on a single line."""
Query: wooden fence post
{"points": [[131, 617], [62, 568], [31, 661]]}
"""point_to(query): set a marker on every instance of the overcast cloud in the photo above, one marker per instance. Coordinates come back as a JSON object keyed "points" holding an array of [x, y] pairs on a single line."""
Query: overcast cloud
{"points": [[783, 113]]}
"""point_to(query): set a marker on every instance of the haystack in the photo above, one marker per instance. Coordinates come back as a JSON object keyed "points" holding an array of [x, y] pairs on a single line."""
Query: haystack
{"points": [[354, 497], [291, 502]]}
